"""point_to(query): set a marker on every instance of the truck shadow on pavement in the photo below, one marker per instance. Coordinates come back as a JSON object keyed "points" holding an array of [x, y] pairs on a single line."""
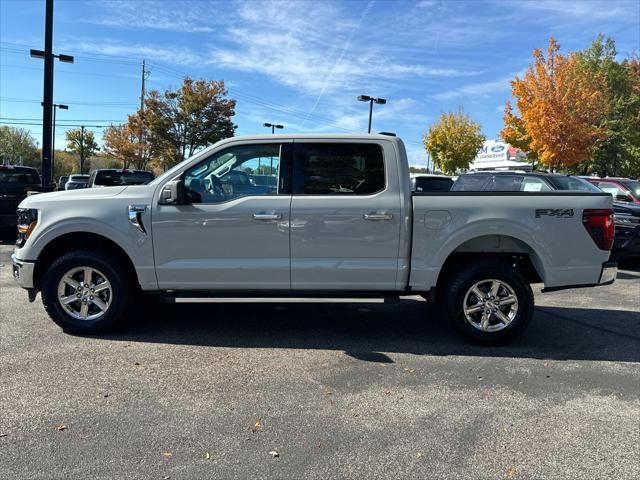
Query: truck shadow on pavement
{"points": [[367, 331]]}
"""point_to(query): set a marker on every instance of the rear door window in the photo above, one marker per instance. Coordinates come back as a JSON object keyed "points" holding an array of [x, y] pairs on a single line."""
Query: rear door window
{"points": [[426, 184], [338, 169]]}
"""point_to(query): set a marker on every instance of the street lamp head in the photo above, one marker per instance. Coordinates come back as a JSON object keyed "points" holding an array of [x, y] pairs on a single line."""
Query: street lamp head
{"points": [[364, 98], [279, 126], [380, 101], [268, 125], [63, 107], [36, 53], [65, 58]]}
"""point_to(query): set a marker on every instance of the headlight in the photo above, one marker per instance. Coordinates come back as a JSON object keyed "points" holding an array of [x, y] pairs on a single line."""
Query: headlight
{"points": [[27, 220]]}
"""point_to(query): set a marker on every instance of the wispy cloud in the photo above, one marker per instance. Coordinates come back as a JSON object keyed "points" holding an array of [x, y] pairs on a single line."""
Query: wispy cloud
{"points": [[170, 54], [179, 16]]}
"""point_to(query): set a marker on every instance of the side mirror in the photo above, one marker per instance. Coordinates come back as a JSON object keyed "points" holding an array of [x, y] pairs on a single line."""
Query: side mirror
{"points": [[173, 192], [623, 198]]}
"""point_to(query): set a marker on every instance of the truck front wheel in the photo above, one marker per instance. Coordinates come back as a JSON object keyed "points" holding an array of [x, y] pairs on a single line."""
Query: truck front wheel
{"points": [[489, 302], [86, 292]]}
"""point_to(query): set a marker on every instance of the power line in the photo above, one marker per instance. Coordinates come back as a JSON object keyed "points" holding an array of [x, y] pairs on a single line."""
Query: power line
{"points": [[68, 119]]}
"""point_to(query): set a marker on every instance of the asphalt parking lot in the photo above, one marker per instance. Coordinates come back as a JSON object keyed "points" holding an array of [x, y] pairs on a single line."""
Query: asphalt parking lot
{"points": [[338, 390]]}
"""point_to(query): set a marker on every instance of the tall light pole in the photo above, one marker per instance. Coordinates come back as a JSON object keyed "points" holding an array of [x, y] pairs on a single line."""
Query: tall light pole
{"points": [[53, 137], [47, 100], [273, 126], [371, 100]]}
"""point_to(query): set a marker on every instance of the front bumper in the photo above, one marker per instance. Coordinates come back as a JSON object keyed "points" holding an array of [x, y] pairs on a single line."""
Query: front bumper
{"points": [[23, 272]]}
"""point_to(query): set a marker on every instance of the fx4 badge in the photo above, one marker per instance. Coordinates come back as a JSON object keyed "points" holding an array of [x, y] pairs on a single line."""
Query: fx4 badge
{"points": [[554, 212]]}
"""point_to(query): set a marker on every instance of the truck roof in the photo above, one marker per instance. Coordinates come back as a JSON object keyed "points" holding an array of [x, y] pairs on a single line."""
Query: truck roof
{"points": [[318, 136]]}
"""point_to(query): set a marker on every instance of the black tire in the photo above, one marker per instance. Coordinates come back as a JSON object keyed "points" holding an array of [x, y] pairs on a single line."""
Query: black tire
{"points": [[459, 285], [115, 272]]}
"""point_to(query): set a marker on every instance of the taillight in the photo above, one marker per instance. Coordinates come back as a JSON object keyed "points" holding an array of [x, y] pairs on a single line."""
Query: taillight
{"points": [[599, 224]]}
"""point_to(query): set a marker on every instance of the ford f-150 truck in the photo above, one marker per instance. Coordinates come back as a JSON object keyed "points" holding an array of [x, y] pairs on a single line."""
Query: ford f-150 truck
{"points": [[338, 219]]}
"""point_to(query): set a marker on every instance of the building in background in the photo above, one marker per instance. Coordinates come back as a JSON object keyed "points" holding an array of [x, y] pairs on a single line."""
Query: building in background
{"points": [[497, 155]]}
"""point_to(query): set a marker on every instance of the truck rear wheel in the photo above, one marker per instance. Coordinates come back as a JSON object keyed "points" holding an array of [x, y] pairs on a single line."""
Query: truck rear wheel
{"points": [[489, 302], [86, 292]]}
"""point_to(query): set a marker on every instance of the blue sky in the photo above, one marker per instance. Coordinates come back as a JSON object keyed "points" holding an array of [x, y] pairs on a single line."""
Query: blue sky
{"points": [[298, 63]]}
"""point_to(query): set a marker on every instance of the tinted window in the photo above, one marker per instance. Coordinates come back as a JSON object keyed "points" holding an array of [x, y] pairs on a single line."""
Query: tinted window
{"points": [[506, 183], [428, 184], [572, 183], [633, 186], [18, 175], [230, 173], [110, 178], [471, 183], [338, 169]]}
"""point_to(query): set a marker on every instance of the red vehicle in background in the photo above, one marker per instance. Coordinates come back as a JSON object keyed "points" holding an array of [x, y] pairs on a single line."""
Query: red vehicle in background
{"points": [[623, 190]]}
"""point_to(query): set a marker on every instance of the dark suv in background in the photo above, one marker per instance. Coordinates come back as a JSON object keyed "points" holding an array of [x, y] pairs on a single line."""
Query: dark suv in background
{"points": [[110, 177], [15, 182]]}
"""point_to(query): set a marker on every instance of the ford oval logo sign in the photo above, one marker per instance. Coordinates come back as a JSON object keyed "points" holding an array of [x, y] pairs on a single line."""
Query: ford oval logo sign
{"points": [[497, 148]]}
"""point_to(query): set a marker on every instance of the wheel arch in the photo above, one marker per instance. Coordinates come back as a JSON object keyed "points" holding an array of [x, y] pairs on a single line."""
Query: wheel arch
{"points": [[75, 241], [504, 247]]}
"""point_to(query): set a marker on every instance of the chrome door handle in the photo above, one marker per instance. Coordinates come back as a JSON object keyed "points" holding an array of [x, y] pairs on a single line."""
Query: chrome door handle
{"points": [[267, 216], [377, 216]]}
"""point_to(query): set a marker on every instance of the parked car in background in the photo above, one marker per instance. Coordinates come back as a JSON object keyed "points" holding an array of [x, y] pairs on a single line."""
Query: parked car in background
{"points": [[627, 240], [624, 190], [76, 181], [430, 183], [111, 177], [15, 182], [62, 181], [504, 181]]}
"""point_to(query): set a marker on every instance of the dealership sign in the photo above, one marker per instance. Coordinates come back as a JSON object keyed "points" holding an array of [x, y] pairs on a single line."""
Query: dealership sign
{"points": [[491, 151]]}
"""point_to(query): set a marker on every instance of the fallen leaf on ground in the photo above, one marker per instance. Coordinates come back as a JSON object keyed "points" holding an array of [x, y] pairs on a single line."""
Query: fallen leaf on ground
{"points": [[3, 434], [545, 364], [168, 454], [317, 444], [387, 392], [511, 472], [274, 454], [419, 455], [206, 455], [136, 363], [257, 426], [410, 370], [328, 392], [61, 428]]}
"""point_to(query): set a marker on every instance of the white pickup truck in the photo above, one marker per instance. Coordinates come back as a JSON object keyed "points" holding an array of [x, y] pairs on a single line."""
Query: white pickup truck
{"points": [[308, 215]]}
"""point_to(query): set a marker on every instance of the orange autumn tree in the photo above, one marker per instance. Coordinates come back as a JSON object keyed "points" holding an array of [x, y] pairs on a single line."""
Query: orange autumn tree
{"points": [[560, 106]]}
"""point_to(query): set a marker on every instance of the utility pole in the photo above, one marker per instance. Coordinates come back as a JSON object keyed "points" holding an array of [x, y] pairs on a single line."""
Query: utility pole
{"points": [[142, 94], [81, 148]]}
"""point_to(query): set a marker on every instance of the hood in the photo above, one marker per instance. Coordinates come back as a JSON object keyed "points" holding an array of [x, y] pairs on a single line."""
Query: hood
{"points": [[39, 199]]}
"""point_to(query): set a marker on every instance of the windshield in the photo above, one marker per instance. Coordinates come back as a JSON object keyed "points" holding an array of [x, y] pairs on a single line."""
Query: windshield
{"points": [[633, 186], [109, 178], [18, 175], [572, 183]]}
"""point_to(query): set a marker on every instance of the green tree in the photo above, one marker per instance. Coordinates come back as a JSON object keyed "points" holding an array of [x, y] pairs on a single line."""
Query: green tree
{"points": [[83, 143], [17, 146], [617, 152], [183, 121], [454, 141]]}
